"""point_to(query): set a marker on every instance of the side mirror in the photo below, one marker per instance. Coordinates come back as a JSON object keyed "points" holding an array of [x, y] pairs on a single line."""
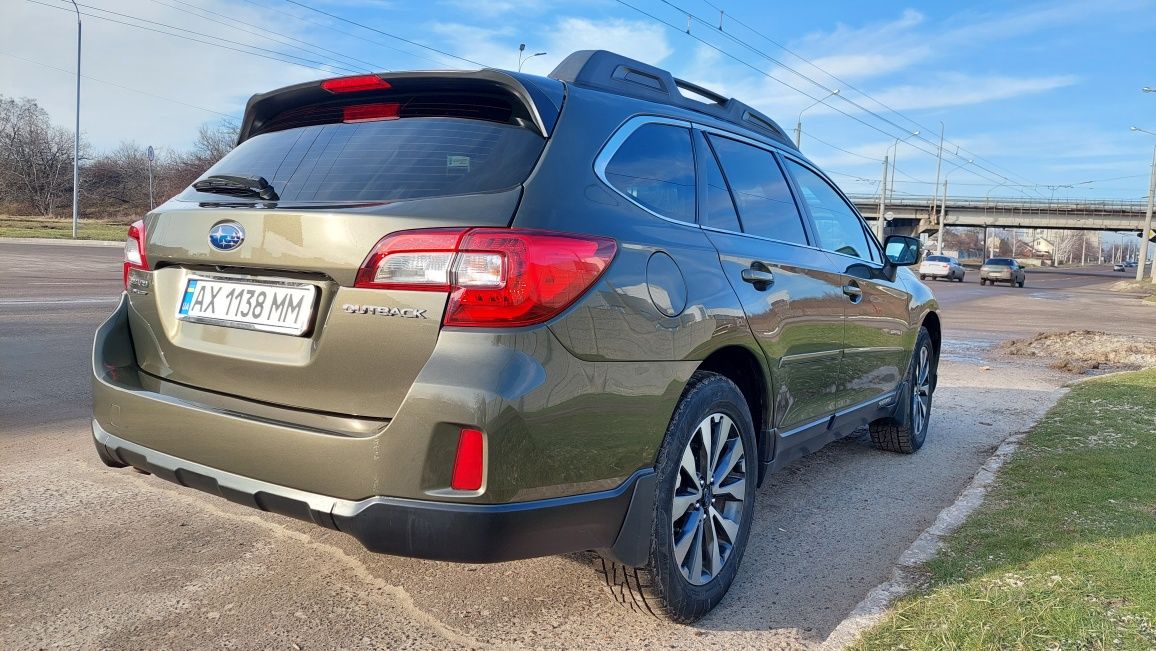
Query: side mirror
{"points": [[901, 250]]}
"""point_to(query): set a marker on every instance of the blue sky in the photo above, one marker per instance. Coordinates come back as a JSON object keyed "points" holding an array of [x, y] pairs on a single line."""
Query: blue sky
{"points": [[1037, 94]]}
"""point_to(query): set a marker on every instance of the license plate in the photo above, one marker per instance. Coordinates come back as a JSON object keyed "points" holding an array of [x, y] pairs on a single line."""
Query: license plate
{"points": [[284, 308]]}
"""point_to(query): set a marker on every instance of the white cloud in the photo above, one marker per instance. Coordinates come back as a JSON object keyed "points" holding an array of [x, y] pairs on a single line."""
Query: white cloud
{"points": [[961, 90]]}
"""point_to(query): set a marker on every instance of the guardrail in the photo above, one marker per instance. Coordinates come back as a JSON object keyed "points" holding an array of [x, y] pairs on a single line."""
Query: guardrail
{"points": [[1016, 206]]}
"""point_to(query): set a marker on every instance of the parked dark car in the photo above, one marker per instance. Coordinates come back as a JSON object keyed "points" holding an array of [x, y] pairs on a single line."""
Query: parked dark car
{"points": [[1002, 270], [485, 316]]}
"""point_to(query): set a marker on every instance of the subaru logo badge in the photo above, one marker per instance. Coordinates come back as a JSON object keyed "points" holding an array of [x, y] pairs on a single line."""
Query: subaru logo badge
{"points": [[226, 236]]}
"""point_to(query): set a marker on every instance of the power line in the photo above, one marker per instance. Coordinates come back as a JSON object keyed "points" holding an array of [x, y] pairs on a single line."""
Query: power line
{"points": [[853, 87], [331, 28], [693, 17], [780, 81], [232, 23], [116, 85], [320, 66], [383, 33]]}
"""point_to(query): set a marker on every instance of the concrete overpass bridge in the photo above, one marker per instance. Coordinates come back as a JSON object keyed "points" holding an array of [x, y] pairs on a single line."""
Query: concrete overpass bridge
{"points": [[912, 215]]}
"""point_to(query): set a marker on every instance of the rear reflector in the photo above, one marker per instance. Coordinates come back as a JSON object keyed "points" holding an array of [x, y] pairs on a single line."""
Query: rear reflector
{"points": [[470, 461], [371, 112], [134, 252], [498, 277], [355, 84]]}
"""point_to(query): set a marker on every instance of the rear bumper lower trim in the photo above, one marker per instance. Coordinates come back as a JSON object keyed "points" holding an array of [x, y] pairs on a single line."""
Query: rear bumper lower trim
{"points": [[469, 533]]}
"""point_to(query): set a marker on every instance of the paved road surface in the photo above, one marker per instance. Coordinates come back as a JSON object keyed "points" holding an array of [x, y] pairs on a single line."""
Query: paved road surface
{"points": [[99, 558]]}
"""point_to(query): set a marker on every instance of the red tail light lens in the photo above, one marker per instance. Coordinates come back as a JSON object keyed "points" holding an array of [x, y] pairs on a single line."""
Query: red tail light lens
{"points": [[355, 84], [371, 112], [469, 462], [498, 277], [134, 250]]}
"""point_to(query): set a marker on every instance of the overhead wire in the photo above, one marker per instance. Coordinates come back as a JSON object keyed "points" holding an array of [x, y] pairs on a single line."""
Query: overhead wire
{"points": [[314, 65], [851, 86], [268, 34], [116, 85]]}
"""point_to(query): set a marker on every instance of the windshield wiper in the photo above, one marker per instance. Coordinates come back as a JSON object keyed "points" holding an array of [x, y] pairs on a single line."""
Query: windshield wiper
{"points": [[237, 186]]}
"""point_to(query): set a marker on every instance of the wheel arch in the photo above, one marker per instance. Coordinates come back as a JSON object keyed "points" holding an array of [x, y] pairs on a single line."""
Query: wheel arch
{"points": [[747, 369]]}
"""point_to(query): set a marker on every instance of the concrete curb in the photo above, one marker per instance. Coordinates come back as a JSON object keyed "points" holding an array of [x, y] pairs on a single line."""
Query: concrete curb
{"points": [[57, 242], [906, 574]]}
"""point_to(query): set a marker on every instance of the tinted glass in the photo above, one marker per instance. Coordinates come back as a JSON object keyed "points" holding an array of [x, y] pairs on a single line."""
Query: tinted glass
{"points": [[839, 227], [937, 258], [999, 262], [655, 167], [764, 199], [384, 160], [718, 208]]}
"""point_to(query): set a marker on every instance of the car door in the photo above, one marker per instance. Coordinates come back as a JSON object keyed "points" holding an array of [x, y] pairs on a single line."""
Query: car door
{"points": [[791, 298], [875, 303]]}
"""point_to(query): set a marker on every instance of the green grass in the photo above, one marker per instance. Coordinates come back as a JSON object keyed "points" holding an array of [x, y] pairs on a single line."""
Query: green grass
{"points": [[61, 228], [1062, 553]]}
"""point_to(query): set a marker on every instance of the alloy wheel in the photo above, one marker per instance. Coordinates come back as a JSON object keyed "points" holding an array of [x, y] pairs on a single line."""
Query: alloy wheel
{"points": [[709, 499], [921, 391]]}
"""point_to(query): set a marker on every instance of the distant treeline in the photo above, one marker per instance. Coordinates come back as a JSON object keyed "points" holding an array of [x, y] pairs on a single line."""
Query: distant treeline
{"points": [[36, 166]]}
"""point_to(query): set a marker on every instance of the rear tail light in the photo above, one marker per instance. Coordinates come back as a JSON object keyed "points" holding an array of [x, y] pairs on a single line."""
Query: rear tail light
{"points": [[134, 250], [355, 84], [497, 277], [469, 462]]}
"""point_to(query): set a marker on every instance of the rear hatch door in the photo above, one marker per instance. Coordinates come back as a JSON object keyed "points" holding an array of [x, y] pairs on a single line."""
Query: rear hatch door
{"points": [[255, 297]]}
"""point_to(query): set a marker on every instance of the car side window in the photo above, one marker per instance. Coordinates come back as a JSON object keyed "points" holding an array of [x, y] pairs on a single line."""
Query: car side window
{"points": [[765, 204], [655, 167], [838, 225], [718, 207]]}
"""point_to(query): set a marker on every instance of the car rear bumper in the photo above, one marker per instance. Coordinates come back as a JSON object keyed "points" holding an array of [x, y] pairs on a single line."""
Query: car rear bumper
{"points": [[616, 520]]}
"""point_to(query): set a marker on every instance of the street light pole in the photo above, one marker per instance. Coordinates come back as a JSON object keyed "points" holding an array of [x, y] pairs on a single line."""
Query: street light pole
{"points": [[1147, 226], [938, 164], [799, 121], [882, 201], [521, 49], [943, 206], [76, 134], [895, 156]]}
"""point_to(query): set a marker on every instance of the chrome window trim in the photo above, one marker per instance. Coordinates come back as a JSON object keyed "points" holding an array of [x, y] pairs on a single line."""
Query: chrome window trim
{"points": [[614, 142]]}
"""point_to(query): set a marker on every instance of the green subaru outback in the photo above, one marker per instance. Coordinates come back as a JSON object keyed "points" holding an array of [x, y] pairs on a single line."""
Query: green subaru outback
{"points": [[485, 316]]}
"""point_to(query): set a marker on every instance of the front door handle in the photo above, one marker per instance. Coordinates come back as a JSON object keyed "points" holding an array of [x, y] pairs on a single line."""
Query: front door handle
{"points": [[853, 292], [760, 278]]}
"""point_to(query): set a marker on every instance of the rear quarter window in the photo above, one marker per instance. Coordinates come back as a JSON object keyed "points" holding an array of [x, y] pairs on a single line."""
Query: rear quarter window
{"points": [[654, 166]]}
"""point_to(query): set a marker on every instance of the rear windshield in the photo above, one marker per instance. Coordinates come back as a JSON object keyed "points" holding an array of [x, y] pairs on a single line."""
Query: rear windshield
{"points": [[383, 160], [937, 258], [999, 262]]}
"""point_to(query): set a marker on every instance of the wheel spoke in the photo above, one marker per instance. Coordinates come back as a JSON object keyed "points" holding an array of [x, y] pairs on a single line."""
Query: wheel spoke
{"points": [[721, 429], [710, 535], [690, 468], [730, 527], [729, 459], [737, 489], [702, 462], [695, 567], [682, 504], [685, 540]]}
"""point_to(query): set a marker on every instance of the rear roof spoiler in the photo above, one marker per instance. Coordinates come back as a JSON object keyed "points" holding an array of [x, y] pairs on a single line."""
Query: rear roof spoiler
{"points": [[541, 97], [607, 71]]}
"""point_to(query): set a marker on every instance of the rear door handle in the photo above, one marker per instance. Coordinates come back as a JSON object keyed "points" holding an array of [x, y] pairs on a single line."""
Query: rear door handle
{"points": [[760, 278], [853, 292]]}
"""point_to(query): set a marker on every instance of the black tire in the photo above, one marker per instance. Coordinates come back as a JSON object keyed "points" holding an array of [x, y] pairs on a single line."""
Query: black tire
{"points": [[1021, 283], [922, 277], [906, 435], [982, 282], [661, 588], [961, 277]]}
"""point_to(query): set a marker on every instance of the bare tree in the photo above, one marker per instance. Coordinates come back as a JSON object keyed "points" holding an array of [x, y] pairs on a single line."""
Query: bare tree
{"points": [[35, 157]]}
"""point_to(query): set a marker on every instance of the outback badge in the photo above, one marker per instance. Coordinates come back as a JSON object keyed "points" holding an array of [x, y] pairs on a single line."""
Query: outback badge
{"points": [[405, 313]]}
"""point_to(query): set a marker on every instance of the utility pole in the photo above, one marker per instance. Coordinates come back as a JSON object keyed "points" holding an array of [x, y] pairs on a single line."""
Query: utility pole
{"points": [[882, 201], [943, 215], [76, 134], [938, 163], [151, 155], [799, 121], [1147, 226]]}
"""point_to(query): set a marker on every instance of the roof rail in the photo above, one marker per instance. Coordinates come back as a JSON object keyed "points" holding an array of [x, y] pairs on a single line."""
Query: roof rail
{"points": [[603, 70]]}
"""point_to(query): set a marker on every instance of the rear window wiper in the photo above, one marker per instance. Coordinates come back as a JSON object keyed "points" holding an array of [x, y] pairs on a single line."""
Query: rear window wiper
{"points": [[237, 186]]}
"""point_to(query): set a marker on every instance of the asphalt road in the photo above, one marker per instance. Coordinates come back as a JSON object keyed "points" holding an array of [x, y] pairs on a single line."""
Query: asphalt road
{"points": [[98, 558]]}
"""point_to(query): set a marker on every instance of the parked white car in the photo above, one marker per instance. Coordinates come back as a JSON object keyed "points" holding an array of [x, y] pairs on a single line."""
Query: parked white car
{"points": [[941, 266]]}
